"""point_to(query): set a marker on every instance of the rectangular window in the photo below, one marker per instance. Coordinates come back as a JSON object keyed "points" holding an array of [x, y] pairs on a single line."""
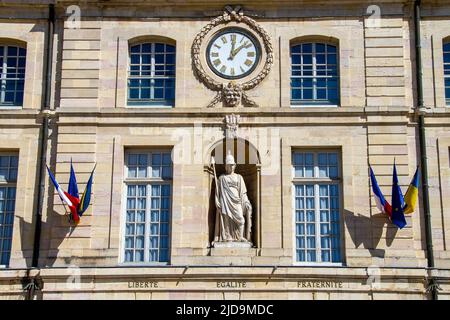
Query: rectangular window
{"points": [[148, 206], [8, 181], [317, 206], [151, 77], [447, 72], [314, 74], [12, 75]]}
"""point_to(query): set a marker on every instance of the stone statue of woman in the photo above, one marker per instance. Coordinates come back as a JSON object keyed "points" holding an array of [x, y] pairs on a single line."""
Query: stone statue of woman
{"points": [[234, 210]]}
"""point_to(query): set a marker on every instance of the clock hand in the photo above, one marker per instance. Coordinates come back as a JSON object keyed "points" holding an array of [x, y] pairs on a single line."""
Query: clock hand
{"points": [[236, 51], [233, 43]]}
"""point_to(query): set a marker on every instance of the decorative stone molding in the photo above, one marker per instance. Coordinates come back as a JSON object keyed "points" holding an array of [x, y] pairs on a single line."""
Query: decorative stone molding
{"points": [[231, 93], [231, 126]]}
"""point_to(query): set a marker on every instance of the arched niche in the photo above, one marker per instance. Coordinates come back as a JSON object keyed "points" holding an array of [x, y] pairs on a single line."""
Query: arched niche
{"points": [[248, 165]]}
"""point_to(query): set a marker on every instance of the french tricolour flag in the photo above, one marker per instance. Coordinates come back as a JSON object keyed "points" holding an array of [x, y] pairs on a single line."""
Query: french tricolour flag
{"points": [[382, 204], [71, 200]]}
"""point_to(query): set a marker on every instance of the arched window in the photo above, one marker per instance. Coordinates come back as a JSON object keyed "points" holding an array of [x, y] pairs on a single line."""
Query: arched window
{"points": [[314, 74], [151, 77], [12, 75], [447, 71]]}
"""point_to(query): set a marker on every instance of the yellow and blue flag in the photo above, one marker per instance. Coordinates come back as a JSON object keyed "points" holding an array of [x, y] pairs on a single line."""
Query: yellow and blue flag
{"points": [[86, 197], [412, 194]]}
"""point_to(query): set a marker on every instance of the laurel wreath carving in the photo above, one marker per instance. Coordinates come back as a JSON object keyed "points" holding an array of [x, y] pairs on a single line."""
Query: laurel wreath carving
{"points": [[224, 89]]}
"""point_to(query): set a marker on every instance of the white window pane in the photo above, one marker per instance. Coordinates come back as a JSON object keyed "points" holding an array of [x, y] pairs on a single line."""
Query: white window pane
{"points": [[309, 172], [310, 203], [131, 191], [155, 203], [140, 229], [326, 256], [131, 203], [300, 242], [129, 242], [323, 190], [300, 229], [140, 216], [130, 229], [141, 203], [301, 255], [323, 172], [132, 172], [299, 190], [140, 242], [325, 243], [310, 190], [130, 216], [128, 255], [300, 216], [142, 172], [154, 216], [154, 229], [324, 216], [323, 203], [324, 229], [311, 229], [156, 190], [311, 256], [153, 242], [153, 255], [156, 172], [139, 255]]}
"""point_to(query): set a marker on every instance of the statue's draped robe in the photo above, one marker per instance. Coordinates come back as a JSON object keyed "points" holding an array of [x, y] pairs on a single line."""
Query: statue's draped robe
{"points": [[233, 202]]}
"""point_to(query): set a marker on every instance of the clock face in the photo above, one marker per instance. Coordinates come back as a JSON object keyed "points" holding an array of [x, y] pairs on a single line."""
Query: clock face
{"points": [[233, 54]]}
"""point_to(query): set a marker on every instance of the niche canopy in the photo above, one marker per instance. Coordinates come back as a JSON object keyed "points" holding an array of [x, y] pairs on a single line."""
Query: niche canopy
{"points": [[231, 55]]}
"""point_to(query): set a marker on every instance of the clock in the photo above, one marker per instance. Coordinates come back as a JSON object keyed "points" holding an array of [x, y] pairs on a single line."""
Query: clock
{"points": [[234, 48], [233, 53]]}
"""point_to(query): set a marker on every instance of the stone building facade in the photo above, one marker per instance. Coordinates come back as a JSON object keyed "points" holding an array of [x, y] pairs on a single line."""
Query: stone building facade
{"points": [[305, 146]]}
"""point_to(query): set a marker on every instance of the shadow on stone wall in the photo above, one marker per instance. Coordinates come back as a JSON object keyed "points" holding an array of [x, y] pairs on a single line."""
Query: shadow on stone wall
{"points": [[47, 258], [367, 231]]}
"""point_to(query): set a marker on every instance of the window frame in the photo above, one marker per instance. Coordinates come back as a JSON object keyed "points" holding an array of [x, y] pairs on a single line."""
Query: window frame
{"points": [[150, 103], [317, 181], [149, 182], [3, 76], [313, 103], [8, 184], [446, 42]]}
